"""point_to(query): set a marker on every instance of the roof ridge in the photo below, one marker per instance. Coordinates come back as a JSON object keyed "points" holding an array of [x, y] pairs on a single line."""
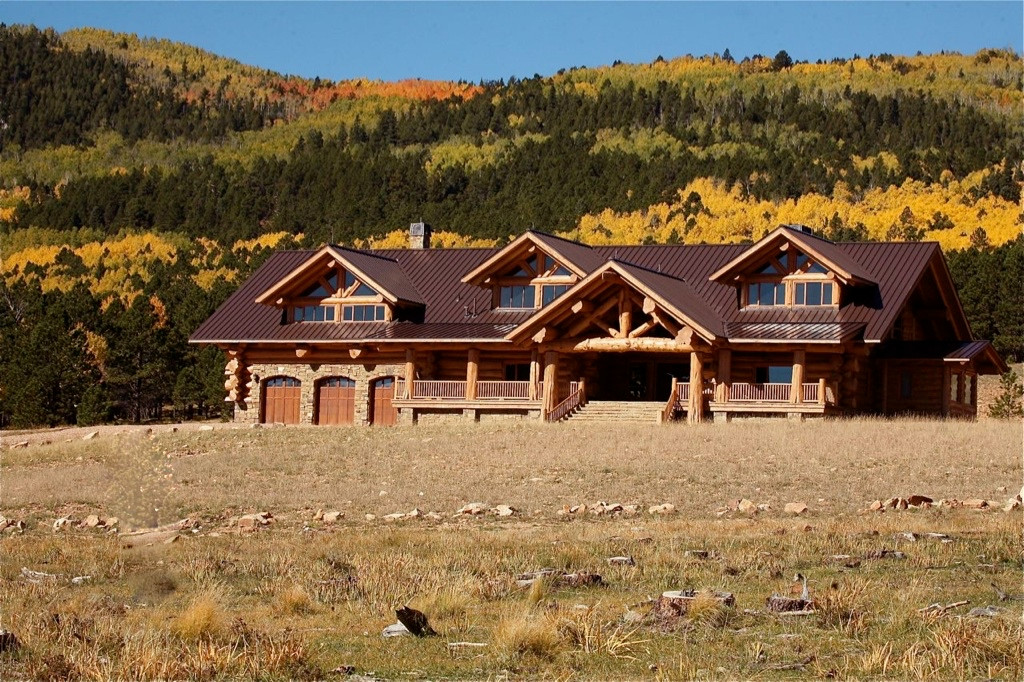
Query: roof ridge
{"points": [[362, 252], [650, 270], [560, 238]]}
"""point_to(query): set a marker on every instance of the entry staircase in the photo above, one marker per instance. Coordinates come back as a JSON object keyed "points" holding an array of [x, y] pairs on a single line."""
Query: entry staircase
{"points": [[606, 411]]}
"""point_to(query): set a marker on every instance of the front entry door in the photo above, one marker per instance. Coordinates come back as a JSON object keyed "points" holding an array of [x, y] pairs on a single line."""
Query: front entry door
{"points": [[381, 394]]}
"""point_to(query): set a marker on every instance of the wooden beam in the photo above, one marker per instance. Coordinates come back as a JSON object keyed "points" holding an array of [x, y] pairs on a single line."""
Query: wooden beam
{"points": [[593, 318], [612, 345], [355, 353], [695, 404], [534, 374], [649, 305], [724, 379], [545, 334], [796, 391], [472, 372], [301, 351], [550, 396], [410, 371], [670, 326], [643, 329], [625, 315]]}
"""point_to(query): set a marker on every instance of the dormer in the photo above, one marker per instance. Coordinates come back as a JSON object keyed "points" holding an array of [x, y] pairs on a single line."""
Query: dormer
{"points": [[793, 268], [342, 285], [533, 271]]}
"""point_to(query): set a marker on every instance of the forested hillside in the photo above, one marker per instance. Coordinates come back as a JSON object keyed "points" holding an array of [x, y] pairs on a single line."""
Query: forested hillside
{"points": [[142, 178]]}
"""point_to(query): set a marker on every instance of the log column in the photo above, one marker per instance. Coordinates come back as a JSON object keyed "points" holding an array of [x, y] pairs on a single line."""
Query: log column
{"points": [[724, 375], [695, 404], [534, 375], [410, 371], [796, 391], [550, 398], [472, 372]]}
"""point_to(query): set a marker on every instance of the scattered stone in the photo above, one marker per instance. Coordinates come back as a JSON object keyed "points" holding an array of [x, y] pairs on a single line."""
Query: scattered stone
{"points": [[877, 505], [318, 515], [371, 517], [63, 522], [985, 611], [918, 500], [433, 516], [472, 509], [20, 444], [795, 508], [621, 561], [578, 579], [394, 517], [8, 641], [90, 521], [673, 604], [456, 646], [145, 538], [764, 507], [206, 427], [341, 669], [254, 521], [1012, 504], [778, 603], [414, 621], [91, 435], [14, 526], [942, 537], [396, 630], [81, 579], [332, 516], [885, 554], [905, 537], [36, 577], [504, 510], [697, 553], [975, 503], [746, 506], [662, 509]]}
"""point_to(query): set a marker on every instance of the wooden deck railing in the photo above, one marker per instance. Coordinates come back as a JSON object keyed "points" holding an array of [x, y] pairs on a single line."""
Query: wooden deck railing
{"points": [[487, 390], [576, 398], [433, 389], [771, 393]]}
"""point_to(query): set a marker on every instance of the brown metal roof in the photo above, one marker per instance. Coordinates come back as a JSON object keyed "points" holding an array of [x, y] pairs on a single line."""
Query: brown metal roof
{"points": [[386, 272], [680, 273], [581, 255]]}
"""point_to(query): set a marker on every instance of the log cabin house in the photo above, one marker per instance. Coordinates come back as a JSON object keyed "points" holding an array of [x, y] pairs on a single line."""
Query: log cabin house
{"points": [[548, 328]]}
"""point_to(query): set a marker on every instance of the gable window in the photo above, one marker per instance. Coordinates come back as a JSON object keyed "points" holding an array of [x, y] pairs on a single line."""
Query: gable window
{"points": [[518, 296], [774, 374], [363, 313], [517, 371], [766, 293], [319, 291], [313, 313], [549, 292], [813, 293]]}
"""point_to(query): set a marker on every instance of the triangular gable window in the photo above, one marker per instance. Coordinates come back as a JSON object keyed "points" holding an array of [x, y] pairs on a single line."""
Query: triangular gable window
{"points": [[318, 290], [360, 290]]}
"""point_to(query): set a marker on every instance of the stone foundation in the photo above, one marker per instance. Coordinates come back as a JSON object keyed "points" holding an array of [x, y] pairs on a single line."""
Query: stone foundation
{"points": [[309, 374]]}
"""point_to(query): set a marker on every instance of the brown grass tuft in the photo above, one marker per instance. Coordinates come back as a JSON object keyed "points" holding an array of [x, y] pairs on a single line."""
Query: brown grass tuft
{"points": [[202, 620]]}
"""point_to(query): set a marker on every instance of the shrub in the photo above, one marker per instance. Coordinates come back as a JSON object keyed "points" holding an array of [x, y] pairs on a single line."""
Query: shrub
{"points": [[1008, 404]]}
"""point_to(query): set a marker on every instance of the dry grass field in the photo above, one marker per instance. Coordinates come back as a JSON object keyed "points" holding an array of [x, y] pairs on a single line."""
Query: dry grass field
{"points": [[301, 598]]}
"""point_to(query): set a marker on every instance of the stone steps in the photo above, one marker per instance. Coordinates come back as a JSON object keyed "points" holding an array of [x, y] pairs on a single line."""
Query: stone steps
{"points": [[605, 411]]}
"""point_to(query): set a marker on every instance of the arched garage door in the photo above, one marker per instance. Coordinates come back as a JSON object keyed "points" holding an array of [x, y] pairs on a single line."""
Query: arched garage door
{"points": [[335, 401], [382, 392], [281, 399]]}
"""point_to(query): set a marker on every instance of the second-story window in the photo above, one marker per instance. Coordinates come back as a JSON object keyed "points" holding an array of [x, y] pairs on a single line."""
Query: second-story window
{"points": [[516, 296], [813, 293], [766, 293], [363, 313], [313, 313]]}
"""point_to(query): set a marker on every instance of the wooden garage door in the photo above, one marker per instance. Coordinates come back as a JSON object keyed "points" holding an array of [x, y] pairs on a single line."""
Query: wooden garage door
{"points": [[281, 398], [336, 401], [381, 394]]}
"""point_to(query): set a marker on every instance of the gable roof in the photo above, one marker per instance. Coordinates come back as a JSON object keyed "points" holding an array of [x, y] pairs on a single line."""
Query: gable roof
{"points": [[673, 294], [579, 258], [826, 253], [680, 274], [381, 273]]}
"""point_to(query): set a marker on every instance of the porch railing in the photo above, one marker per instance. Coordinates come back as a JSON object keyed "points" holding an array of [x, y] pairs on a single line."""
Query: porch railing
{"points": [[487, 390], [433, 389], [770, 393], [576, 398]]}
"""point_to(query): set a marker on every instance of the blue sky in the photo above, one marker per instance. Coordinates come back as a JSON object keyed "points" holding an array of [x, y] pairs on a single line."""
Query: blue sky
{"points": [[490, 40]]}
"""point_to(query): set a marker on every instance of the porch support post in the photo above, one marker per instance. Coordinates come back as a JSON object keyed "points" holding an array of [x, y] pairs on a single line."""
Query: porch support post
{"points": [[695, 404], [410, 371], [822, 391], [724, 375], [472, 371], [796, 391], [550, 382], [534, 374]]}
